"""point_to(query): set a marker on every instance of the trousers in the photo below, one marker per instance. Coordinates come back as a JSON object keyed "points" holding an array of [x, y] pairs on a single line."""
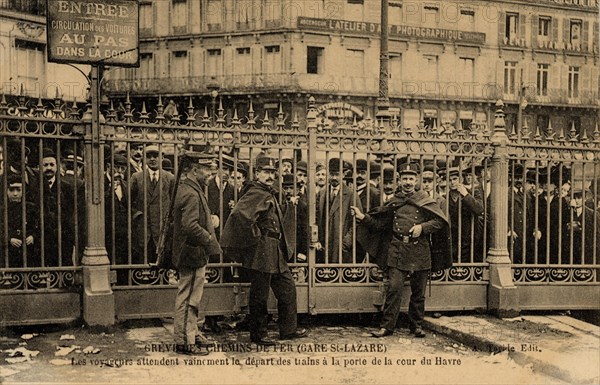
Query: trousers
{"points": [[393, 297], [187, 305], [284, 288]]}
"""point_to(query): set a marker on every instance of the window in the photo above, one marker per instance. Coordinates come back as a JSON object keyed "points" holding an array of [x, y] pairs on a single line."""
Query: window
{"points": [[395, 67], [510, 74], [544, 27], [31, 59], [573, 88], [146, 18], [466, 70], [272, 60], [430, 69], [356, 1], [431, 14], [395, 12], [355, 62], [213, 62], [247, 13], [354, 10], [146, 70], [542, 79], [214, 12], [243, 61], [467, 19], [179, 64], [575, 33], [512, 26], [179, 16], [272, 13], [314, 60]]}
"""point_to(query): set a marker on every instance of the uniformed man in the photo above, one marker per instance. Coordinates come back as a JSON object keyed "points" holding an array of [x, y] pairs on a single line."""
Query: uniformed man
{"points": [[399, 235], [194, 241], [254, 235]]}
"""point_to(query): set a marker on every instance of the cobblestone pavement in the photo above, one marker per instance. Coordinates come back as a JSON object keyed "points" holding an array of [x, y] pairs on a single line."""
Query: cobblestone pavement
{"points": [[333, 353]]}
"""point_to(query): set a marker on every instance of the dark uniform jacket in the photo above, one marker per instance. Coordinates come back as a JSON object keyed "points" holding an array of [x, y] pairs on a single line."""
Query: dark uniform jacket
{"points": [[521, 220], [15, 230], [217, 195], [194, 239], [254, 234], [295, 220], [466, 217], [376, 232]]}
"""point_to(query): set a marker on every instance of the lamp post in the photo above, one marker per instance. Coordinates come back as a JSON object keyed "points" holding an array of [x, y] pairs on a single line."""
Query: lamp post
{"points": [[383, 101]]}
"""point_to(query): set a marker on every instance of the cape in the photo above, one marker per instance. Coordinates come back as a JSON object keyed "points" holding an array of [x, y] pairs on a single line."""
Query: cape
{"points": [[377, 243]]}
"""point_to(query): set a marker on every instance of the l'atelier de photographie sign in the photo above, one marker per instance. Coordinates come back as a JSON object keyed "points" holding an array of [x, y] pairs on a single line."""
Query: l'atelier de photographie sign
{"points": [[93, 32]]}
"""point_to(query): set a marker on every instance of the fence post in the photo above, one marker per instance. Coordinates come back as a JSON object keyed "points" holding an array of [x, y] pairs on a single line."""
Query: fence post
{"points": [[503, 297], [311, 127], [98, 298]]}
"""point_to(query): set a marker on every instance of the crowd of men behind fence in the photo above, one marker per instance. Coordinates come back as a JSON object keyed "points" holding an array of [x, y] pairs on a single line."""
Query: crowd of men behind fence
{"points": [[552, 216]]}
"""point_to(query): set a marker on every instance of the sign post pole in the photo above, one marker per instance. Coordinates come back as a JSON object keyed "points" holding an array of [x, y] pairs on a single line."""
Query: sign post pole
{"points": [[98, 298]]}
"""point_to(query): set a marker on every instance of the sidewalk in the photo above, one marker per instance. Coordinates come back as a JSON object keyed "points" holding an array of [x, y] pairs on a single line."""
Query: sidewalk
{"points": [[560, 346]]}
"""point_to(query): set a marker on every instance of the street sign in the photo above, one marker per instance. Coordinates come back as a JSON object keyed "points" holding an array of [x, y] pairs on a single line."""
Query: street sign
{"points": [[101, 32]]}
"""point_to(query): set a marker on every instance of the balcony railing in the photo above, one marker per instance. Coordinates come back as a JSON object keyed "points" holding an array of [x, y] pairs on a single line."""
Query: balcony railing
{"points": [[333, 84], [31, 7]]}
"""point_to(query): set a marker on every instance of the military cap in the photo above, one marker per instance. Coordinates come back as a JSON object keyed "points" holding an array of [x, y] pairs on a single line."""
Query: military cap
{"points": [[408, 168], [266, 163], [198, 157]]}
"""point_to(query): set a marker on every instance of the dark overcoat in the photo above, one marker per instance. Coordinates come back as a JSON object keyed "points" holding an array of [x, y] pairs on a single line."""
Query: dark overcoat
{"points": [[194, 239], [376, 241], [244, 238]]}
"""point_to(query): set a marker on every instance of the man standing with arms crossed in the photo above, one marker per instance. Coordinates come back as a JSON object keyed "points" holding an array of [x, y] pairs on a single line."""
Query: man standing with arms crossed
{"points": [[399, 235], [194, 241], [255, 237]]}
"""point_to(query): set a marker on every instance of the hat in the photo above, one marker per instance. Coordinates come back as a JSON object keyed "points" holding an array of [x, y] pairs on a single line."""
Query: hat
{"points": [[288, 180], [388, 174], [198, 157], [361, 165], [375, 168], [555, 176], [516, 171], [408, 168], [579, 189], [266, 163], [166, 164], [72, 158], [334, 165], [530, 176], [227, 161], [48, 153], [152, 148], [319, 166], [242, 167], [120, 160], [284, 160], [13, 179], [428, 165], [454, 171], [302, 166]]}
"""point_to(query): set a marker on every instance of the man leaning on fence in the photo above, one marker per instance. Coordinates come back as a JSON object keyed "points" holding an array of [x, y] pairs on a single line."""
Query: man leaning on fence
{"points": [[400, 236], [194, 242], [254, 236]]}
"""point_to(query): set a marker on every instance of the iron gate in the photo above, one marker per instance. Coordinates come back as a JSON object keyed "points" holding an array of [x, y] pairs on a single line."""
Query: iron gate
{"points": [[332, 272]]}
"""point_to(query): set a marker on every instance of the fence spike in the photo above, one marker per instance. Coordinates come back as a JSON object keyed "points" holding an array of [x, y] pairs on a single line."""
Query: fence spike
{"points": [[4, 106], [573, 135], [596, 134]]}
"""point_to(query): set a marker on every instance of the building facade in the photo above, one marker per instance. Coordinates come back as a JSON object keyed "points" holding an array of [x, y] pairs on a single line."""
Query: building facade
{"points": [[449, 62], [24, 68]]}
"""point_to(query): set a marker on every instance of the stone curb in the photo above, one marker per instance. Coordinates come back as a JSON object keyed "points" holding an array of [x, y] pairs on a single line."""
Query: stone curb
{"points": [[487, 345]]}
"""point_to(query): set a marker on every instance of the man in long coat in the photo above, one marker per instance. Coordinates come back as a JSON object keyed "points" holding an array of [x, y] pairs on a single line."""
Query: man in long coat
{"points": [[334, 219], [150, 194], [254, 235], [409, 237]]}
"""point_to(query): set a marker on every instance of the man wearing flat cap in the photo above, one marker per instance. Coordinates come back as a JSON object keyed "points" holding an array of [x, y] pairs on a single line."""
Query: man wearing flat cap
{"points": [[334, 219], [194, 242], [409, 237], [254, 235]]}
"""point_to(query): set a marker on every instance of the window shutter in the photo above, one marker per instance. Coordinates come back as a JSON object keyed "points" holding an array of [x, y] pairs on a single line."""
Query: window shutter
{"points": [[566, 31], [535, 20], [595, 34], [585, 82], [502, 27], [522, 26], [586, 35], [554, 30]]}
